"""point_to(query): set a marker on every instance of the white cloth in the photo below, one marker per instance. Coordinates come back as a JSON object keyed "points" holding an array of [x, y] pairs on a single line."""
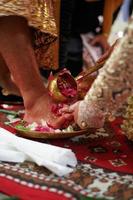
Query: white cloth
{"points": [[60, 161]]}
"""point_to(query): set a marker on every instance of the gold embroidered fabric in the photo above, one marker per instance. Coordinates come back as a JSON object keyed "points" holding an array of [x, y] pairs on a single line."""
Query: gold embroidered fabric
{"points": [[127, 125], [115, 80], [40, 16]]}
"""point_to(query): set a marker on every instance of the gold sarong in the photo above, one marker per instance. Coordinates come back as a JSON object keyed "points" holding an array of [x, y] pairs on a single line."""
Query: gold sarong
{"points": [[40, 17]]}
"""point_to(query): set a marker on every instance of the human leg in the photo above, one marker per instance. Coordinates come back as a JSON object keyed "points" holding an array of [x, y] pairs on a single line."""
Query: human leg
{"points": [[5, 80], [17, 51]]}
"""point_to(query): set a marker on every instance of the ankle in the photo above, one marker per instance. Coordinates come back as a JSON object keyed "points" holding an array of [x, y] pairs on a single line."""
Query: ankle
{"points": [[33, 97]]}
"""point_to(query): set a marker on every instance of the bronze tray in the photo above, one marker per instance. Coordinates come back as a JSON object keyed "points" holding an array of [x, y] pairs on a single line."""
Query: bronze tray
{"points": [[49, 135]]}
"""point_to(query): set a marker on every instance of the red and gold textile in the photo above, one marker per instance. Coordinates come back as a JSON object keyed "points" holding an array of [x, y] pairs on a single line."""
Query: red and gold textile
{"points": [[104, 170]]}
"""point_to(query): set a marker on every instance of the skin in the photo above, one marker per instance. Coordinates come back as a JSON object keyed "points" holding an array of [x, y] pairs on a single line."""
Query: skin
{"points": [[19, 72], [6, 81], [102, 41]]}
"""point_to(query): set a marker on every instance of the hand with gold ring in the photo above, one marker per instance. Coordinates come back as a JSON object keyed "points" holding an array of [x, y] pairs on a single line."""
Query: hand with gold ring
{"points": [[86, 114]]}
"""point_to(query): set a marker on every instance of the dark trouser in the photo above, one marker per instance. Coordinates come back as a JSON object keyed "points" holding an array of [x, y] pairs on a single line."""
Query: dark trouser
{"points": [[74, 58], [65, 30]]}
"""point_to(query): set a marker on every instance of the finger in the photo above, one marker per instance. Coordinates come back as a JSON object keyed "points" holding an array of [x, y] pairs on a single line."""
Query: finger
{"points": [[104, 57], [105, 48], [62, 122], [69, 109], [66, 109], [74, 106], [106, 54], [94, 41]]}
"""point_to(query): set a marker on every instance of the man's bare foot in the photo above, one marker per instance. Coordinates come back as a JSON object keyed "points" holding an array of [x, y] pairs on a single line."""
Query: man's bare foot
{"points": [[41, 111]]}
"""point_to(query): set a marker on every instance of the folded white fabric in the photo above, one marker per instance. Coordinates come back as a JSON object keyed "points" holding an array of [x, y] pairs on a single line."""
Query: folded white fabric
{"points": [[60, 161]]}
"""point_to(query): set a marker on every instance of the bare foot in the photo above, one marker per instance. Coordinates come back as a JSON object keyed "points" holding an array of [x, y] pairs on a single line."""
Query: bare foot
{"points": [[38, 109], [42, 111]]}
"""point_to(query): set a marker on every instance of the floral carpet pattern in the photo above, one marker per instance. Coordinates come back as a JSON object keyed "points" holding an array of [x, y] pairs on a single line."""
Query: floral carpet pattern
{"points": [[104, 170]]}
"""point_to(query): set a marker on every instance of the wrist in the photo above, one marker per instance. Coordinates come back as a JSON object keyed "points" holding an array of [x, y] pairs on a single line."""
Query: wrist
{"points": [[90, 115], [105, 34]]}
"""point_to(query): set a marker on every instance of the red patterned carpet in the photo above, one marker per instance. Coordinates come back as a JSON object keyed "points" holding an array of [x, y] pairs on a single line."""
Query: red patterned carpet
{"points": [[104, 170]]}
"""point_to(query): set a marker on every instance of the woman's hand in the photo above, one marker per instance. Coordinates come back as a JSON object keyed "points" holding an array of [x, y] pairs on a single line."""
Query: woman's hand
{"points": [[62, 122], [102, 41], [86, 114]]}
